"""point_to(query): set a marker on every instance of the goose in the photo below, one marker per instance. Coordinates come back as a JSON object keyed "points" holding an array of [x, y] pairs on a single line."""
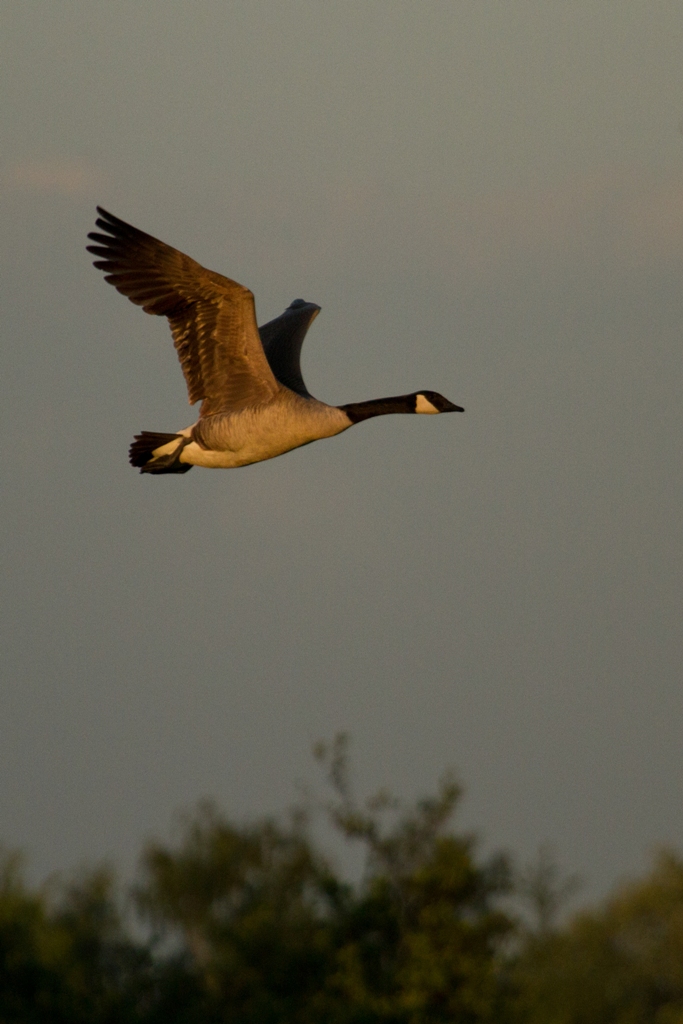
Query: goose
{"points": [[255, 404]]}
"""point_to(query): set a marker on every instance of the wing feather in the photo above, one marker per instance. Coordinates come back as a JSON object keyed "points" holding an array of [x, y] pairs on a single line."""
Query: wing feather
{"points": [[282, 339], [212, 319]]}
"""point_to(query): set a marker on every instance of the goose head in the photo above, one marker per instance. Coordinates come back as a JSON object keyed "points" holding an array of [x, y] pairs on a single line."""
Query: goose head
{"points": [[431, 402]]}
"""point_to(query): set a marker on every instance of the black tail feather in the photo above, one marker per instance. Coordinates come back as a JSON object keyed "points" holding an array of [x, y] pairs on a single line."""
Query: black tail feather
{"points": [[140, 453]]}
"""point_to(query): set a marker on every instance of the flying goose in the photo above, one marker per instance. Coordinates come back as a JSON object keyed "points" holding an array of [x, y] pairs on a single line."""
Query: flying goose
{"points": [[255, 404]]}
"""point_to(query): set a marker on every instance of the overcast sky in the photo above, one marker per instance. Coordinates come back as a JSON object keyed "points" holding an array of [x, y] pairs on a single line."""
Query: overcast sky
{"points": [[486, 199]]}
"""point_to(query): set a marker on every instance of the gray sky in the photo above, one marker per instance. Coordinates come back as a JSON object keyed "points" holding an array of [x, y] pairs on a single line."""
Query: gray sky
{"points": [[487, 200]]}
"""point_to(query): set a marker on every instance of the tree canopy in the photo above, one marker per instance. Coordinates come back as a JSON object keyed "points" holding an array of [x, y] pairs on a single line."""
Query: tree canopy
{"points": [[247, 923]]}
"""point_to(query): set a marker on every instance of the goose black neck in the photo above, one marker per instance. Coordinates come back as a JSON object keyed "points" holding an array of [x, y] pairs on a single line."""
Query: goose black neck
{"points": [[358, 411]]}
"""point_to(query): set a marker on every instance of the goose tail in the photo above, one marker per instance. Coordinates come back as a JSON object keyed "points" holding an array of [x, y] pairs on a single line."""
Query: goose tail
{"points": [[152, 452]]}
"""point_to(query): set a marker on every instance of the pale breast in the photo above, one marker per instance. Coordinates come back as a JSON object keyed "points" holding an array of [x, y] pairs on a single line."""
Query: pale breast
{"points": [[253, 435]]}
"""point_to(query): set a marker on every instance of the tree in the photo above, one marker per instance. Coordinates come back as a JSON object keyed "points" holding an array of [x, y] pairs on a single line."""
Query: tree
{"points": [[245, 906], [266, 931], [621, 963], [417, 941], [65, 959], [251, 924]]}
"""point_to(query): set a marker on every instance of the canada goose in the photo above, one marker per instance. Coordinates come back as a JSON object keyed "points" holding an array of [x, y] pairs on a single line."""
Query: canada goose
{"points": [[255, 404]]}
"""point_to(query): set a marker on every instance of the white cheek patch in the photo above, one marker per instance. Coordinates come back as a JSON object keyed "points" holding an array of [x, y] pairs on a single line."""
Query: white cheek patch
{"points": [[423, 404]]}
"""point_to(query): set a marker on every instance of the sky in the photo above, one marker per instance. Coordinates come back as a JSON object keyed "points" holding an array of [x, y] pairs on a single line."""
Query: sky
{"points": [[486, 200]]}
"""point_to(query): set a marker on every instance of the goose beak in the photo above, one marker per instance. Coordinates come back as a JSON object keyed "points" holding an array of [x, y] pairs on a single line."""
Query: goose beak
{"points": [[432, 401]]}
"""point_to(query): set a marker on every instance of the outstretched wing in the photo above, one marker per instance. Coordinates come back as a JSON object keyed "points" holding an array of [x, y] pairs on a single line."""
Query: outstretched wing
{"points": [[212, 318], [282, 339]]}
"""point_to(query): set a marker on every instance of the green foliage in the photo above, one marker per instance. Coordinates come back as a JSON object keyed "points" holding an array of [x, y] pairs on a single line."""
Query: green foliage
{"points": [[67, 963], [417, 942], [247, 908], [619, 964], [250, 924], [265, 931]]}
